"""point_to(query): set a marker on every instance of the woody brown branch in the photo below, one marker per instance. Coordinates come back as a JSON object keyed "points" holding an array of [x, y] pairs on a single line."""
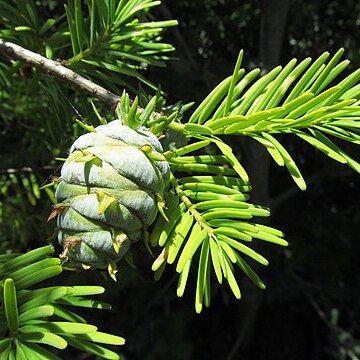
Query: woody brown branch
{"points": [[56, 69]]}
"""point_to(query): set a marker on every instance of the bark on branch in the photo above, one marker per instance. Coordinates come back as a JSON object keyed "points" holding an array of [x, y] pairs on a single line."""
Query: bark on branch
{"points": [[56, 69]]}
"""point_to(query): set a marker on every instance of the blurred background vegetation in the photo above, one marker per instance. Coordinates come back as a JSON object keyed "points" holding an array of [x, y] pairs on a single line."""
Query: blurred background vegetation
{"points": [[311, 308]]}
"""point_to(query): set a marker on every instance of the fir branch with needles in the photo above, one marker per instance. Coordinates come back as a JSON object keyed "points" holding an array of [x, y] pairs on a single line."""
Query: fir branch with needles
{"points": [[155, 172]]}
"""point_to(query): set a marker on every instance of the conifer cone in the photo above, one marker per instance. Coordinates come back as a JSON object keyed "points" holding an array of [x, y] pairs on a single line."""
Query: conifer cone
{"points": [[108, 193]]}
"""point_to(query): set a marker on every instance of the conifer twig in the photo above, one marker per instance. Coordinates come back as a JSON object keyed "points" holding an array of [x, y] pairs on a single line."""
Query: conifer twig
{"points": [[58, 70]]}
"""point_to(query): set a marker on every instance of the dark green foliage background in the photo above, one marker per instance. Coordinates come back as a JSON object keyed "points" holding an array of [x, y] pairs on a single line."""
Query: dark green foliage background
{"points": [[309, 284]]}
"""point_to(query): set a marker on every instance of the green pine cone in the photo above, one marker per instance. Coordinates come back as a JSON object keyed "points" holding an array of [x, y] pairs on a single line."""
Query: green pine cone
{"points": [[107, 193]]}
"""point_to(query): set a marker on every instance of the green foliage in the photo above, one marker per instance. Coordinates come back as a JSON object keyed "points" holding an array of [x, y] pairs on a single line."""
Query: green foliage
{"points": [[201, 205], [208, 214], [295, 100], [31, 317], [206, 220], [111, 42], [107, 41]]}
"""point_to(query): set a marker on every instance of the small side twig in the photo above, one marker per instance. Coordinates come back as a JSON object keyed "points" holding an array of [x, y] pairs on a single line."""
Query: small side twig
{"points": [[58, 70]]}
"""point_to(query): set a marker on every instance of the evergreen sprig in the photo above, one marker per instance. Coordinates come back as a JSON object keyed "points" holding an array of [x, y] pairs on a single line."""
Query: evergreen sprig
{"points": [[208, 217], [107, 41], [304, 99], [31, 317], [111, 42], [293, 99]]}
